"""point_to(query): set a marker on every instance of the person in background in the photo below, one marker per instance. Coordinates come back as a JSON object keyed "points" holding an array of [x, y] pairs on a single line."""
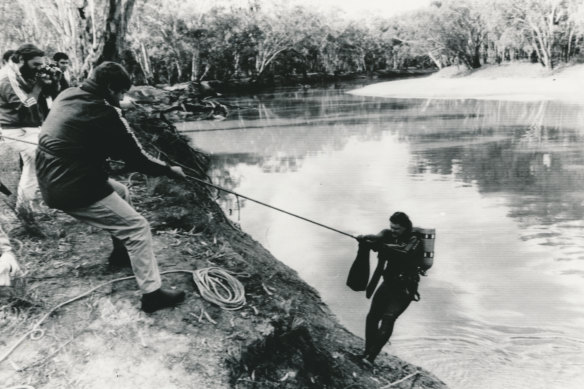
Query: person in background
{"points": [[400, 254], [22, 110], [83, 129], [62, 62], [6, 57]]}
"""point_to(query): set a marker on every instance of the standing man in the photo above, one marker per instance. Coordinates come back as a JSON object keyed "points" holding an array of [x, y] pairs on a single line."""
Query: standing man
{"points": [[22, 110], [62, 61], [85, 126]]}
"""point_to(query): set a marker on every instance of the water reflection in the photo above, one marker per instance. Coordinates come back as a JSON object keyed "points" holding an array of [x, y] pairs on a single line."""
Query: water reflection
{"points": [[500, 181]]}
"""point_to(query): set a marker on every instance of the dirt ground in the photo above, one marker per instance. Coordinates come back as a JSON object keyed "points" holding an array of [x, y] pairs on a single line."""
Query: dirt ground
{"points": [[284, 336]]}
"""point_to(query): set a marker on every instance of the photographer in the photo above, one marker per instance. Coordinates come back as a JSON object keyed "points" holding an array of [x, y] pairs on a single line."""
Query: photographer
{"points": [[23, 108]]}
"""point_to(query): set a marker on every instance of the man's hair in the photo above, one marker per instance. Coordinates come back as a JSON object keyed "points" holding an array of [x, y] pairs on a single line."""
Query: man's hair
{"points": [[6, 56], [402, 219], [112, 75], [59, 56], [27, 52]]}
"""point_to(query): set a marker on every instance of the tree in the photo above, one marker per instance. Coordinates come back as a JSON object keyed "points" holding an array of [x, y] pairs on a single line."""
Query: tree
{"points": [[541, 21], [90, 31], [459, 30], [275, 32]]}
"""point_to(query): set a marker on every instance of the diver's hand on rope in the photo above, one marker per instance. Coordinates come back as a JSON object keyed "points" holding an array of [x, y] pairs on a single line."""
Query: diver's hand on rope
{"points": [[368, 242], [176, 172]]}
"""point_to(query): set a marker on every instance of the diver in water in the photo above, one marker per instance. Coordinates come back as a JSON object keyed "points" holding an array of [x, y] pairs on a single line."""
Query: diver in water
{"points": [[400, 262]]}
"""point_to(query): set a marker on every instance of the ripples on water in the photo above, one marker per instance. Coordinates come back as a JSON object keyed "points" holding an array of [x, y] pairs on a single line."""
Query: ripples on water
{"points": [[500, 181]]}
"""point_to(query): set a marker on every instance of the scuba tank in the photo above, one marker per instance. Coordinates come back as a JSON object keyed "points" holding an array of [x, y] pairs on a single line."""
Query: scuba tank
{"points": [[428, 237]]}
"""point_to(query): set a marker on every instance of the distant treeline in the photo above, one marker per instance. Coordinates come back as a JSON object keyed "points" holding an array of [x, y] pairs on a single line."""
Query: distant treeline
{"points": [[169, 41]]}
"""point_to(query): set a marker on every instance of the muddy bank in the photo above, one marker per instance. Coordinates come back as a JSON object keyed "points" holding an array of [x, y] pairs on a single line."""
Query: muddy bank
{"points": [[283, 337]]}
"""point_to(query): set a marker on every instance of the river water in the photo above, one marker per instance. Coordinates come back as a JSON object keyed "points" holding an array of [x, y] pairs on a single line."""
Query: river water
{"points": [[501, 182]]}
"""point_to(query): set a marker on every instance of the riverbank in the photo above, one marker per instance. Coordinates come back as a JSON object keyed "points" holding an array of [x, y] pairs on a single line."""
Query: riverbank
{"points": [[283, 337], [247, 85], [511, 82]]}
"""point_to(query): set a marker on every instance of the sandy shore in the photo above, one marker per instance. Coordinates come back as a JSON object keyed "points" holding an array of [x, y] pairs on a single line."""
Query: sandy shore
{"points": [[518, 82]]}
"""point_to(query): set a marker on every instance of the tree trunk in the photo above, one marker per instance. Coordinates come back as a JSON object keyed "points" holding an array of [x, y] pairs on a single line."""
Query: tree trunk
{"points": [[475, 60], [435, 60], [569, 50], [116, 27], [178, 70], [146, 61], [207, 68], [541, 46], [195, 65], [236, 65], [104, 42]]}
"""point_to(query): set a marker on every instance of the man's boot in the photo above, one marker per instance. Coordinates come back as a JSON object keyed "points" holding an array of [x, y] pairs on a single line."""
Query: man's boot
{"points": [[119, 256], [161, 298]]}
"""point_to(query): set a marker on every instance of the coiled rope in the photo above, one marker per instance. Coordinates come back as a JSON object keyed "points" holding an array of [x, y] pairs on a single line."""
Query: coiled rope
{"points": [[220, 288], [209, 281]]}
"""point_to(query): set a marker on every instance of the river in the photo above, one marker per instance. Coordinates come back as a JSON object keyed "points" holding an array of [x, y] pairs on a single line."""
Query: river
{"points": [[501, 182]]}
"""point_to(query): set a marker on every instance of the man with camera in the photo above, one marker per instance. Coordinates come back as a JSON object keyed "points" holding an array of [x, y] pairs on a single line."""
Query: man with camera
{"points": [[23, 107]]}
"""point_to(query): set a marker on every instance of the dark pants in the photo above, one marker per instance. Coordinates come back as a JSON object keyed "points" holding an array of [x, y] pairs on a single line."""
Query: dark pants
{"points": [[388, 303]]}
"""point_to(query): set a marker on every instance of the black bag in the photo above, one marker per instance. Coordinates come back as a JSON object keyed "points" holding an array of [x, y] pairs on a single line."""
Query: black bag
{"points": [[359, 273]]}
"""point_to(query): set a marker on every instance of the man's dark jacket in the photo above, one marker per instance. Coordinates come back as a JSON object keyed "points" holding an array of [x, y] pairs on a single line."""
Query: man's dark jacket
{"points": [[81, 131]]}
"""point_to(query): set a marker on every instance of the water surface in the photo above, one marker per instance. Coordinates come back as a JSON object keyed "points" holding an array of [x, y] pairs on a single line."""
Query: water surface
{"points": [[502, 183]]}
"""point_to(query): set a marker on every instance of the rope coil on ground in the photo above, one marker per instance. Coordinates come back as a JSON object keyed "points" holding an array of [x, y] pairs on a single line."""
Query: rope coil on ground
{"points": [[220, 288], [215, 285]]}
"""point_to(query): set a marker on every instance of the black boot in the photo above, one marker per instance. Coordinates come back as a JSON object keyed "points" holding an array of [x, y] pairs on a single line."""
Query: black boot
{"points": [[161, 298], [119, 256]]}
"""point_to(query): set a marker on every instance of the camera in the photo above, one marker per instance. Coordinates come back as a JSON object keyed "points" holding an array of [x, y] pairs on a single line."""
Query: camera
{"points": [[49, 72]]}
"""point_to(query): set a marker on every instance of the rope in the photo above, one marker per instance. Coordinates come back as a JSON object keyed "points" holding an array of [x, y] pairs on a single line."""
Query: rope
{"points": [[220, 288], [233, 300], [270, 206], [400, 380], [234, 193], [18, 140]]}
